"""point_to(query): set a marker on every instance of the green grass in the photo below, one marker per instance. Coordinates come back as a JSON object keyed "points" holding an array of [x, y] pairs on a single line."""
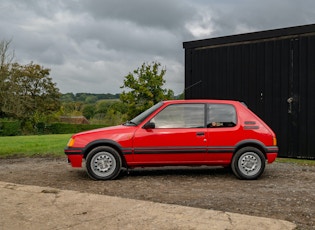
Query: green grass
{"points": [[27, 146], [296, 161]]}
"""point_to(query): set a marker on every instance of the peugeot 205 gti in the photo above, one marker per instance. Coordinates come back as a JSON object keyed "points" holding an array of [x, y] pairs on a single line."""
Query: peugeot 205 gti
{"points": [[179, 133]]}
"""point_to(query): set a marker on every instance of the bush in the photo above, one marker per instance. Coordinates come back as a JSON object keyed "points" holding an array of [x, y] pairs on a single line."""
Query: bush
{"points": [[10, 128]]}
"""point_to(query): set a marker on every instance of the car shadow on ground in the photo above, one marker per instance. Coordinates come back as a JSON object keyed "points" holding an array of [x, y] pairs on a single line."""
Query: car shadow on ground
{"points": [[177, 171], [167, 171]]}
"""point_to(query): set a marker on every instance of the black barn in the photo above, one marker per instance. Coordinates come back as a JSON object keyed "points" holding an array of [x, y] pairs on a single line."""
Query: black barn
{"points": [[273, 72]]}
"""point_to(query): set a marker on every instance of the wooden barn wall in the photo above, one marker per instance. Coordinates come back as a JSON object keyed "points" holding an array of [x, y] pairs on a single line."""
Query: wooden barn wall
{"points": [[264, 75]]}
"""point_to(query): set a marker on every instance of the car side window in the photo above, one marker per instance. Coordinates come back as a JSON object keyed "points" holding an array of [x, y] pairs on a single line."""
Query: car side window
{"points": [[181, 116], [220, 115]]}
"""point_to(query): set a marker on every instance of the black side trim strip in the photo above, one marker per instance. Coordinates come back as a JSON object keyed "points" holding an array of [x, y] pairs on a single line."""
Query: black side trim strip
{"points": [[175, 150], [221, 149], [186, 149], [126, 151], [272, 149], [73, 151]]}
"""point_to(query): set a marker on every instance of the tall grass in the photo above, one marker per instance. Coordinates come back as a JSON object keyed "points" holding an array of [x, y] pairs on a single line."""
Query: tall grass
{"points": [[44, 145]]}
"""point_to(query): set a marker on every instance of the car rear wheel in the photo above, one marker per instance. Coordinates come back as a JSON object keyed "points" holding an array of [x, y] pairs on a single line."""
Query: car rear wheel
{"points": [[248, 163], [103, 163]]}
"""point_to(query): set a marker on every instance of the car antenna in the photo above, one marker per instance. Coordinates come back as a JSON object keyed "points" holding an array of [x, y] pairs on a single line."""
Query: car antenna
{"points": [[193, 85]]}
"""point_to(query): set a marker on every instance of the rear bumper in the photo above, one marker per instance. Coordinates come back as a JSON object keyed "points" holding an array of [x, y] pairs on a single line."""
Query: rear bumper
{"points": [[271, 157], [75, 157], [272, 153]]}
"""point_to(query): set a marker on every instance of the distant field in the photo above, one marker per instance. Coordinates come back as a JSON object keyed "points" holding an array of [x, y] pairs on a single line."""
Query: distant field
{"points": [[23, 146]]}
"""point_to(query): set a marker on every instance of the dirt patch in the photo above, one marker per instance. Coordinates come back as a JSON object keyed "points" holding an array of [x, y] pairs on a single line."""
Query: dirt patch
{"points": [[285, 191]]}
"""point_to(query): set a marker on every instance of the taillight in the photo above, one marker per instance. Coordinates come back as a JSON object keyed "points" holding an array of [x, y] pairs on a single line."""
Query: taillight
{"points": [[274, 141]]}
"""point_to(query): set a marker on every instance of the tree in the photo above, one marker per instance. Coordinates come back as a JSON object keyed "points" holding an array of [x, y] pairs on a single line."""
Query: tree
{"points": [[88, 111], [145, 88], [6, 58], [91, 99], [27, 93], [67, 97], [30, 94]]}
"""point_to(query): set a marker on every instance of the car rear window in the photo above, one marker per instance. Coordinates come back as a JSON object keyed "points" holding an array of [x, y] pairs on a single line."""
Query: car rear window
{"points": [[220, 115]]}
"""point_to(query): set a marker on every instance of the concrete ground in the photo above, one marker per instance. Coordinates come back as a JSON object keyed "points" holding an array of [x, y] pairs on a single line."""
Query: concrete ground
{"points": [[32, 207]]}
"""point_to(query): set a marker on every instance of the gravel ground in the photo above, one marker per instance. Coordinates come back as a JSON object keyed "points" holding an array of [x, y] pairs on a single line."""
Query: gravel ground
{"points": [[285, 191]]}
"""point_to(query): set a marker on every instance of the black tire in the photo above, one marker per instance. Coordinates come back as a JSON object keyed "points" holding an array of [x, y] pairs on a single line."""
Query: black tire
{"points": [[248, 163], [103, 163]]}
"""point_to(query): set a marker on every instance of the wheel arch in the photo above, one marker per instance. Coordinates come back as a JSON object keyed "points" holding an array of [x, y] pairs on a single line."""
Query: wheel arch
{"points": [[252, 143], [105, 142]]}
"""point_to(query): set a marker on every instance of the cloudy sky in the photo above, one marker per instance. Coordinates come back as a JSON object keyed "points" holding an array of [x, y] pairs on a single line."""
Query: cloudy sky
{"points": [[90, 45]]}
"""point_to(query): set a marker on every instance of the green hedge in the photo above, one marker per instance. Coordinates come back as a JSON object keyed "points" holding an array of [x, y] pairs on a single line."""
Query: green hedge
{"points": [[10, 128], [64, 128], [13, 128]]}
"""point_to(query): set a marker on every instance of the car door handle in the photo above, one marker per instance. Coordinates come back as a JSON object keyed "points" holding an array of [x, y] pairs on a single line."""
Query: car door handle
{"points": [[200, 133]]}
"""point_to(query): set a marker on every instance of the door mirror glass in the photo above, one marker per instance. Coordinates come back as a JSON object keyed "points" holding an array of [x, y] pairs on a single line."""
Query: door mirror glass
{"points": [[149, 125]]}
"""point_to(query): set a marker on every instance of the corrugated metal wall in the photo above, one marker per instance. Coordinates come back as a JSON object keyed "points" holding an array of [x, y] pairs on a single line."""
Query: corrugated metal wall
{"points": [[266, 74]]}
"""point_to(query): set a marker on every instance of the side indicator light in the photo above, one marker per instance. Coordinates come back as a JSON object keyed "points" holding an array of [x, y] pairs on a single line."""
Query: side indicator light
{"points": [[70, 142]]}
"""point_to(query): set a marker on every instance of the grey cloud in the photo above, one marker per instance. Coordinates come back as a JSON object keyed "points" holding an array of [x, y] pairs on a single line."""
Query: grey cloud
{"points": [[147, 13], [251, 16], [91, 45]]}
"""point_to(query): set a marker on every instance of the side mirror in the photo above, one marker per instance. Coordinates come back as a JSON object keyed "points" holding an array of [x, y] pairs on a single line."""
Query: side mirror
{"points": [[149, 125]]}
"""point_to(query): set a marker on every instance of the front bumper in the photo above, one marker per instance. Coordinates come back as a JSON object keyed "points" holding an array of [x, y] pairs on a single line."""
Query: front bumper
{"points": [[75, 157]]}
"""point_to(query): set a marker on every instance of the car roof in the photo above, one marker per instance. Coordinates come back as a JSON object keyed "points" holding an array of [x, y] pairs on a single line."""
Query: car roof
{"points": [[201, 101]]}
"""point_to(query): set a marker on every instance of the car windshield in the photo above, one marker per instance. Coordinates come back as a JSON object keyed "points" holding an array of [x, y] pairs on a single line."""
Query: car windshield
{"points": [[138, 119]]}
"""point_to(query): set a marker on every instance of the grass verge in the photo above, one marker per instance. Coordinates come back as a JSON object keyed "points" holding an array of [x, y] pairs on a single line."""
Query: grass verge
{"points": [[28, 146], [305, 162]]}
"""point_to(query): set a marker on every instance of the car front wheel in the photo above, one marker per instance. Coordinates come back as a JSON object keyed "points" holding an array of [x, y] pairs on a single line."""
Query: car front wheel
{"points": [[103, 163], [248, 163]]}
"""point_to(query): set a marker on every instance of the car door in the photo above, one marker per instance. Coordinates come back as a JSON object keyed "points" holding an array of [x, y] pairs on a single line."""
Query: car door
{"points": [[177, 136]]}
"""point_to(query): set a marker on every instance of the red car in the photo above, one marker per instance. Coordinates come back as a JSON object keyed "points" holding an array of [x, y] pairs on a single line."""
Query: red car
{"points": [[179, 133]]}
